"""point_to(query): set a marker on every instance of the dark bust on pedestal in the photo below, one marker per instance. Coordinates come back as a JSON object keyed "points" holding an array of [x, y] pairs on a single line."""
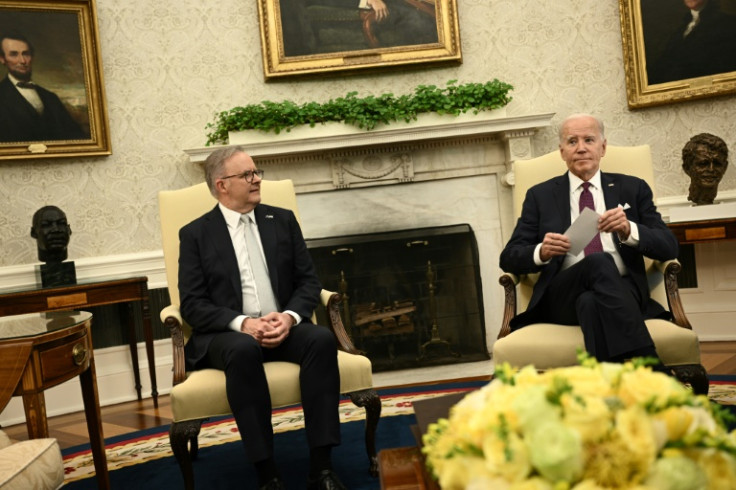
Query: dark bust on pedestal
{"points": [[704, 160], [52, 232]]}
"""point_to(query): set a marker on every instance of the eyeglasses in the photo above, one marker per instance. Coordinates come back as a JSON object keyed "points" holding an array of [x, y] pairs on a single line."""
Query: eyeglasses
{"points": [[247, 175]]}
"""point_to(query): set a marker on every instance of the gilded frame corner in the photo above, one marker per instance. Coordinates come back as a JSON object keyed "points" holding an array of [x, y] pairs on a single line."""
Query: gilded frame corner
{"points": [[66, 63], [299, 44], [644, 32]]}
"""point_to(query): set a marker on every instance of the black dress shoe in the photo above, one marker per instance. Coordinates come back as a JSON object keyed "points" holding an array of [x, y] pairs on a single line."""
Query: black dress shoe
{"points": [[274, 484], [326, 480]]}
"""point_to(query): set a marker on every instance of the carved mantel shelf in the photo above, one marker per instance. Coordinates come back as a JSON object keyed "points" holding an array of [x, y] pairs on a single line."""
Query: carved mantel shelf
{"points": [[399, 153]]}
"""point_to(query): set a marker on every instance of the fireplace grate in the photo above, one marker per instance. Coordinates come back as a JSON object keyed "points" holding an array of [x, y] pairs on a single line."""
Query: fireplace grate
{"points": [[411, 298]]}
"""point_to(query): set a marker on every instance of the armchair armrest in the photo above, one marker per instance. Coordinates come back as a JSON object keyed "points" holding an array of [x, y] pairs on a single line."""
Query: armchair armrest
{"points": [[331, 302], [670, 269], [171, 317], [509, 282]]}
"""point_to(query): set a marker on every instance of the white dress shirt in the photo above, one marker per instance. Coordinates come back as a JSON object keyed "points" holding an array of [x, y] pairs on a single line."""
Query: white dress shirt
{"points": [[29, 94], [236, 228], [609, 245]]}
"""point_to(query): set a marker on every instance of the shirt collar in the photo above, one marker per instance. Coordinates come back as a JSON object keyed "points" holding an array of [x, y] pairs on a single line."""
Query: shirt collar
{"points": [[14, 80], [576, 181], [232, 218]]}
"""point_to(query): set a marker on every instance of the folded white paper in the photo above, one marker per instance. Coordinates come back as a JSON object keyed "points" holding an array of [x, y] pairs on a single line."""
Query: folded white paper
{"points": [[582, 231]]}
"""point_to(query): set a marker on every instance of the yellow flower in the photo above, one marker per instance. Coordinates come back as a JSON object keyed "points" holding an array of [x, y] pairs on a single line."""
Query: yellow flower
{"points": [[586, 381], [636, 431], [718, 466], [598, 426], [588, 415], [677, 421], [644, 386], [610, 464], [534, 483], [458, 472], [588, 484], [506, 456]]}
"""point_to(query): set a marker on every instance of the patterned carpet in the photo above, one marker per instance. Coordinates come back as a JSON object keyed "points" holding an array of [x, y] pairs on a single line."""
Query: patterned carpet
{"points": [[153, 444]]}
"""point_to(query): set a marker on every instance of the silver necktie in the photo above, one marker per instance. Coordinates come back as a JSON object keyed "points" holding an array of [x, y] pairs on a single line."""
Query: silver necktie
{"points": [[258, 267]]}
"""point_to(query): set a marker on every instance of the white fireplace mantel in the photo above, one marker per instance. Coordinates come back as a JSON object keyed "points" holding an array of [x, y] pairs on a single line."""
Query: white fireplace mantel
{"points": [[392, 154]]}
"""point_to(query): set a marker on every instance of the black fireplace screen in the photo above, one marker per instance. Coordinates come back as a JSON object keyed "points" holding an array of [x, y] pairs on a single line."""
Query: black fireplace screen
{"points": [[410, 298]]}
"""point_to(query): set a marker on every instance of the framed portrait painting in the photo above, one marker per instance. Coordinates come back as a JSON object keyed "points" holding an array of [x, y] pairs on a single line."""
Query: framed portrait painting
{"points": [[677, 50], [305, 37], [52, 97]]}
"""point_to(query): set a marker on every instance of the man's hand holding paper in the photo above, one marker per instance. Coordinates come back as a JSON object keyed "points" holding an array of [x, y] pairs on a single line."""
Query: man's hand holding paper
{"points": [[582, 231]]}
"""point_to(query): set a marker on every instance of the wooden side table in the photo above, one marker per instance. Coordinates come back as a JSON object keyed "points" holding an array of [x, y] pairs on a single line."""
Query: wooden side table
{"points": [[704, 230], [97, 293], [405, 468], [42, 350]]}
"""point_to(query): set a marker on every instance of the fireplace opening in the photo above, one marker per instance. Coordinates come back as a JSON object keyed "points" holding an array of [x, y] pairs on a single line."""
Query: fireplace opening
{"points": [[411, 298]]}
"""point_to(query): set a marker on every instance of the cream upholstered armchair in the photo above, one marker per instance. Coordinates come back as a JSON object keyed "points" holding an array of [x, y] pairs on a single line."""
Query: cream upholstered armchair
{"points": [[199, 395], [35, 464], [547, 345]]}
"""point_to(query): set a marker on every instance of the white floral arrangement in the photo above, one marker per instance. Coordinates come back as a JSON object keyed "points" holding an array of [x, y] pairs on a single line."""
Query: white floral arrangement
{"points": [[590, 427]]}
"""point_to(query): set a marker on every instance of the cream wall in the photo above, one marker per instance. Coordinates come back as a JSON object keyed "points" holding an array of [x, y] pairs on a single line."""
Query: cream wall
{"points": [[170, 65]]}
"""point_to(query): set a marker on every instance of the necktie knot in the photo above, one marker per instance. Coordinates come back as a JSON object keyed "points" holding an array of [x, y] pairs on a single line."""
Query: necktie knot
{"points": [[25, 84]]}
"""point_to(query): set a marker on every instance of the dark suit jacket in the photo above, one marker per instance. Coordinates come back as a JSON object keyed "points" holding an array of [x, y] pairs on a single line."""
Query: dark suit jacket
{"points": [[209, 277], [708, 50], [547, 209], [19, 121]]}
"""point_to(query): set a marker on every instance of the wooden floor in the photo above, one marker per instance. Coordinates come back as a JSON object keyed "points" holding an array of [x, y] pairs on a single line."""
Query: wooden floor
{"points": [[71, 430]]}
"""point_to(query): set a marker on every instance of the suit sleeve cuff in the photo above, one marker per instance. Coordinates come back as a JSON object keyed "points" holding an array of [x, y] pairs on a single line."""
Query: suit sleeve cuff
{"points": [[633, 239], [538, 255]]}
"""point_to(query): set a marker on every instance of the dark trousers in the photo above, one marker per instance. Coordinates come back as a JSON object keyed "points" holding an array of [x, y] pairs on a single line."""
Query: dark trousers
{"points": [[607, 306], [311, 346]]}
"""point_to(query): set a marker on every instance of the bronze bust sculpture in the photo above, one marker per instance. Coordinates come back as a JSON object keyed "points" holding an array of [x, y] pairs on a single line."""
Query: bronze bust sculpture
{"points": [[52, 231], [704, 160]]}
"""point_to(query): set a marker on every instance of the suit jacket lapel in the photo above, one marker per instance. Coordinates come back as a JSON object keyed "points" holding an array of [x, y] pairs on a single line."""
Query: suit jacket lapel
{"points": [[611, 190], [216, 229], [562, 199]]}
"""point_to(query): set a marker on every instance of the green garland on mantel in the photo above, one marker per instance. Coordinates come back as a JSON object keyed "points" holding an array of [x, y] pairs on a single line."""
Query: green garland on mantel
{"points": [[363, 112]]}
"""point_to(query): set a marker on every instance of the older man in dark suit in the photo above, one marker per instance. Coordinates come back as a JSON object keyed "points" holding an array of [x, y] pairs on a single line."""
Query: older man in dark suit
{"points": [[248, 288], [29, 112], [604, 288]]}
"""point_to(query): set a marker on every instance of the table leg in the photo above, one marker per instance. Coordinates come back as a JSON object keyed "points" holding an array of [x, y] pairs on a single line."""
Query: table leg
{"points": [[148, 335], [132, 343], [88, 380], [34, 405]]}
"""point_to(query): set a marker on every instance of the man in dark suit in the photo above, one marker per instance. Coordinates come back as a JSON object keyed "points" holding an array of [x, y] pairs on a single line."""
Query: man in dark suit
{"points": [[243, 315], [29, 112], [603, 289], [703, 44]]}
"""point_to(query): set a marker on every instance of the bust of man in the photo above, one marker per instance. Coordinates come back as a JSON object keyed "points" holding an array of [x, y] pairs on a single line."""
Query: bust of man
{"points": [[704, 160], [52, 232]]}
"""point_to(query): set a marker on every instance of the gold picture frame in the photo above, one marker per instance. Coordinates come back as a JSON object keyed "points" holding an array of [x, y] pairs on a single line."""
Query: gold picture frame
{"points": [[652, 29], [325, 36], [63, 112]]}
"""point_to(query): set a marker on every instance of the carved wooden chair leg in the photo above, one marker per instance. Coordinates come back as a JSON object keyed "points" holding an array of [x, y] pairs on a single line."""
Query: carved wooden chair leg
{"points": [[183, 439], [369, 400], [694, 375]]}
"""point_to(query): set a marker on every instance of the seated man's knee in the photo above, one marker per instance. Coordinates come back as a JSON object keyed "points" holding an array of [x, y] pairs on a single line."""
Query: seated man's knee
{"points": [[601, 263]]}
